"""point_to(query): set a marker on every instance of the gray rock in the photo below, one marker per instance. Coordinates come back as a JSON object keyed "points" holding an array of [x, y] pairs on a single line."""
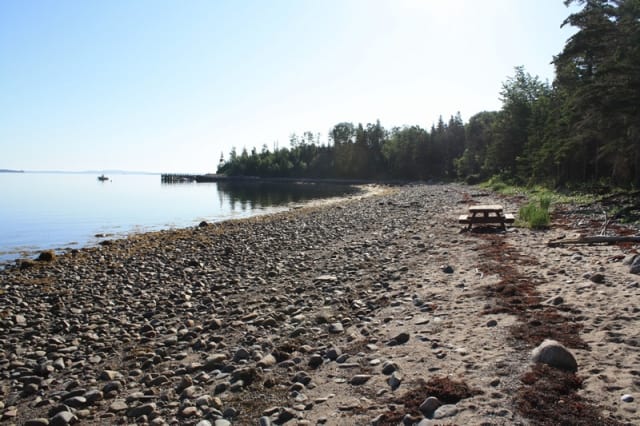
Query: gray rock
{"points": [[114, 386], [267, 361], [627, 398], [204, 423], [76, 402], [333, 353], [265, 421], [118, 405], [286, 415], [93, 395], [389, 367], [326, 278], [400, 339], [359, 379], [395, 380], [63, 418], [558, 300], [222, 422], [241, 354], [230, 413], [20, 320], [597, 278], [429, 406], [110, 375], [409, 420], [336, 328], [445, 411], [555, 355], [315, 361], [447, 269], [142, 410]]}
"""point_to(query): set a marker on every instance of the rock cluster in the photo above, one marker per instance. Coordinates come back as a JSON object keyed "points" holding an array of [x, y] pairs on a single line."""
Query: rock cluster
{"points": [[185, 326]]}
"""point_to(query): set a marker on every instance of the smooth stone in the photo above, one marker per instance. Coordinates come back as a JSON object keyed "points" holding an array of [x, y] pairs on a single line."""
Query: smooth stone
{"points": [[315, 361], [395, 380], [359, 379], [93, 395], [627, 398], [110, 375], [333, 353], [76, 402], [114, 386], [265, 421], [286, 415], [142, 410], [336, 328], [189, 411], [63, 418], [326, 278], [555, 355], [444, 411], [267, 361], [389, 367], [429, 406], [118, 405], [230, 413], [222, 422], [400, 339]]}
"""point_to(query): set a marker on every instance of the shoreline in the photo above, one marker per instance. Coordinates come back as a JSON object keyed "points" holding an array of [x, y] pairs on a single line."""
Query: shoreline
{"points": [[15, 256], [328, 314]]}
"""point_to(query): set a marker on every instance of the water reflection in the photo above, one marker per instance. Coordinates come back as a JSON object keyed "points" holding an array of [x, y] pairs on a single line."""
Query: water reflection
{"points": [[252, 195]]}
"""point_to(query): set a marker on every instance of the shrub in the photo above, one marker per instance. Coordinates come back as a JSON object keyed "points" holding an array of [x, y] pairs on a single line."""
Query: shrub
{"points": [[536, 213]]}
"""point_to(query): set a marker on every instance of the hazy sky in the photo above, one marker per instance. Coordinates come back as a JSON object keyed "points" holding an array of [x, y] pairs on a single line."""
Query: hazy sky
{"points": [[167, 86]]}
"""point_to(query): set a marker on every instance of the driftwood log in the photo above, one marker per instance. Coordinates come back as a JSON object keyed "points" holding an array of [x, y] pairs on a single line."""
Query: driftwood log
{"points": [[596, 239]]}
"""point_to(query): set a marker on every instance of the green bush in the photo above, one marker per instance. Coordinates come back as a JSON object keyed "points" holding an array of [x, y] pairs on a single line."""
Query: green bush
{"points": [[536, 213]]}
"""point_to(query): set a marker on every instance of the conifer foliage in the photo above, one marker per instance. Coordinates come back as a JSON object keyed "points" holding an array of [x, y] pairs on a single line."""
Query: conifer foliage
{"points": [[583, 127]]}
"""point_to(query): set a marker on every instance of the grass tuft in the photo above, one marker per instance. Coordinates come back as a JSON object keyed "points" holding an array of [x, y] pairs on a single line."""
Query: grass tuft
{"points": [[535, 214]]}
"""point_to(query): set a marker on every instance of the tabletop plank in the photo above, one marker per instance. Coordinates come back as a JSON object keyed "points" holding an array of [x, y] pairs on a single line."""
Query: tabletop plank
{"points": [[486, 208]]}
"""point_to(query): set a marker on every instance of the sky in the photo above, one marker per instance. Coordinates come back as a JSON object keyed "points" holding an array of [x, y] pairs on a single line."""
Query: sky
{"points": [[169, 86]]}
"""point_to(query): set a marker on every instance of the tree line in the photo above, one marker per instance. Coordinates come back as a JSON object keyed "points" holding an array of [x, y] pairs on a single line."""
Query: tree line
{"points": [[584, 127]]}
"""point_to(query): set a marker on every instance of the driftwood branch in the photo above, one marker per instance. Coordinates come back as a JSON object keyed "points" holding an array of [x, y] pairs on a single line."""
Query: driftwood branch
{"points": [[605, 224], [597, 239]]}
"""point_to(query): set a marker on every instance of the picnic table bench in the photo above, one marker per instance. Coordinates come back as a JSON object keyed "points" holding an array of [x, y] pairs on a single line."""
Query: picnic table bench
{"points": [[486, 214]]}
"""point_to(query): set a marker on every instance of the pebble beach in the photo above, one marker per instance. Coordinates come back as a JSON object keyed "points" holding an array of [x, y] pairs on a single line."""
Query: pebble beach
{"points": [[376, 309]]}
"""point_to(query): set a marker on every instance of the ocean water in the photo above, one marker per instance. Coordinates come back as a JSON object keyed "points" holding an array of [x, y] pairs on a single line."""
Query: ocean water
{"points": [[64, 210]]}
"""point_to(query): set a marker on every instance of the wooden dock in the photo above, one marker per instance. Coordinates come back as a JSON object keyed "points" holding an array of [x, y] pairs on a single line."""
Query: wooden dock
{"points": [[177, 178]]}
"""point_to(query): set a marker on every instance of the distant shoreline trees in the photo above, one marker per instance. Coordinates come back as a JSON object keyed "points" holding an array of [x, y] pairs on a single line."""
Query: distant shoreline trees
{"points": [[582, 128]]}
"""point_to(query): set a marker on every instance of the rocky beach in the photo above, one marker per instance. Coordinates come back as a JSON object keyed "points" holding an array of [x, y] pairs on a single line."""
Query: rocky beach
{"points": [[373, 309]]}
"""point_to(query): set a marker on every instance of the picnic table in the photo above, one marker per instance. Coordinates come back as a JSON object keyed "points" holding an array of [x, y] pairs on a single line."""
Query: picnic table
{"points": [[486, 214]]}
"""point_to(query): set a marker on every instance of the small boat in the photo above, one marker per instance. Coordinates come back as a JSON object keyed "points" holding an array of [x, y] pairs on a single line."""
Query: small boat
{"points": [[102, 178]]}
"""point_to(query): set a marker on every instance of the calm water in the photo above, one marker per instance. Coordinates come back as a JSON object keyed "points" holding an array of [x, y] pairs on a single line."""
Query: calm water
{"points": [[57, 211]]}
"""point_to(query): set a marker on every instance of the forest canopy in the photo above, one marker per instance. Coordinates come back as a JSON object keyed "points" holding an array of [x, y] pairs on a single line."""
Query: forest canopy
{"points": [[583, 127]]}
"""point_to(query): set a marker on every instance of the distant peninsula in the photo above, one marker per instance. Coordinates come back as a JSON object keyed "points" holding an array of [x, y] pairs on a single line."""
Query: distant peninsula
{"points": [[11, 171]]}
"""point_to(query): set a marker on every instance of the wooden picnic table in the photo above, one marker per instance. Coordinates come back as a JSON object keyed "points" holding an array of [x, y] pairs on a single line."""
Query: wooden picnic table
{"points": [[486, 214]]}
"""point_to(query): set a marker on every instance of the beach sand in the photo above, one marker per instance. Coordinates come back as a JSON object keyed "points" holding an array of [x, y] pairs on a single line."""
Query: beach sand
{"points": [[352, 312]]}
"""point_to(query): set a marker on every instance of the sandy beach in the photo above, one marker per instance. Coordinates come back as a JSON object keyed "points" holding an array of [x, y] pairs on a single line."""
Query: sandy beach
{"points": [[353, 312]]}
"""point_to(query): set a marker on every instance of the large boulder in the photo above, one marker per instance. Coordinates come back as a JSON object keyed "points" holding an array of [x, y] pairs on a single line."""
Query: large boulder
{"points": [[555, 355]]}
